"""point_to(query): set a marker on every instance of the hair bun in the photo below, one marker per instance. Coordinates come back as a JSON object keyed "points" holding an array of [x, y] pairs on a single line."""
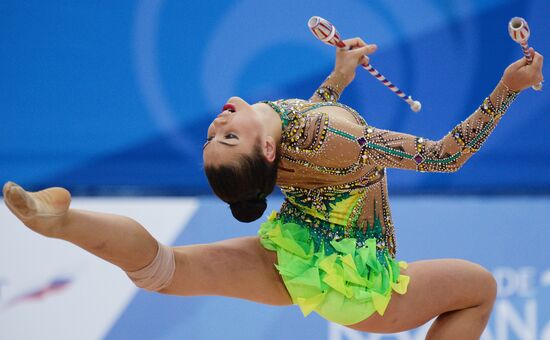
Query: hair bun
{"points": [[249, 210]]}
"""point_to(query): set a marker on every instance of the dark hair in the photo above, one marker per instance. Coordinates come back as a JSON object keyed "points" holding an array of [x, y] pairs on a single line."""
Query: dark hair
{"points": [[245, 183]]}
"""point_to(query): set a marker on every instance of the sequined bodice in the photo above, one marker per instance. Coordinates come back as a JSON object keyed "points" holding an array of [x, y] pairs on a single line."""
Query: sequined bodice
{"points": [[327, 177], [332, 168]]}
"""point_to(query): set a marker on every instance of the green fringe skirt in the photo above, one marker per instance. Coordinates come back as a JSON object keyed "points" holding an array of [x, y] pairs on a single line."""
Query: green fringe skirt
{"points": [[346, 286]]}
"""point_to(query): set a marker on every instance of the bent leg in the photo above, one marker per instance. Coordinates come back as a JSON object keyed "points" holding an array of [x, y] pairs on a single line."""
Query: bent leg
{"points": [[460, 292], [239, 267]]}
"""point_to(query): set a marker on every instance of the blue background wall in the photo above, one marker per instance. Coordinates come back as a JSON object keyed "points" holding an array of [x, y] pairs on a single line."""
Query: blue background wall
{"points": [[114, 97]]}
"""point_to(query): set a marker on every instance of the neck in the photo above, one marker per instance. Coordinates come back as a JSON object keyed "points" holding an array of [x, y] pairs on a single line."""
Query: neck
{"points": [[271, 120]]}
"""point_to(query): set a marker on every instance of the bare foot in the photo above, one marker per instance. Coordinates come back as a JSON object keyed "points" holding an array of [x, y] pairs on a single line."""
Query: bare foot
{"points": [[43, 211]]}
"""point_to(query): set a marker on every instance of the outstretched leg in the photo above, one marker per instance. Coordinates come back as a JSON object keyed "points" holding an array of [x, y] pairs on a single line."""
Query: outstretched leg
{"points": [[238, 267], [117, 239]]}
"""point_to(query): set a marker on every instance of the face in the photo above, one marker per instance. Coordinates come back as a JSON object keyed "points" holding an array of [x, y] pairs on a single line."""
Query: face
{"points": [[234, 132]]}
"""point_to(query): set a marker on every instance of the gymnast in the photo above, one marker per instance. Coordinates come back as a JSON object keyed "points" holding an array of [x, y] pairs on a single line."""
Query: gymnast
{"points": [[331, 247]]}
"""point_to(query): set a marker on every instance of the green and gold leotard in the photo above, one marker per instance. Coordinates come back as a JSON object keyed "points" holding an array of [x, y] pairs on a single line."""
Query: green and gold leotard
{"points": [[334, 234]]}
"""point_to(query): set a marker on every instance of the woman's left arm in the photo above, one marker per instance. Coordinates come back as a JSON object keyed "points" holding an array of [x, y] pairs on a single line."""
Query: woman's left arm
{"points": [[392, 149], [347, 60]]}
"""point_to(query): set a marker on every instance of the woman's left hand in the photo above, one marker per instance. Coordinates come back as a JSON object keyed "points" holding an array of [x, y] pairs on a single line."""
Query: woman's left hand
{"points": [[520, 75], [347, 59]]}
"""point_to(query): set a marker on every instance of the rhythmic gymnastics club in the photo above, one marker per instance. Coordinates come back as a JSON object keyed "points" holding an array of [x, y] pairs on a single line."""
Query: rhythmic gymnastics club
{"points": [[327, 33], [519, 32]]}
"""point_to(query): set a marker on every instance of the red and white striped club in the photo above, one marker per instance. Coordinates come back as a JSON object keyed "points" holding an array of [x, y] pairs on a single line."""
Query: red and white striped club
{"points": [[519, 32], [327, 33]]}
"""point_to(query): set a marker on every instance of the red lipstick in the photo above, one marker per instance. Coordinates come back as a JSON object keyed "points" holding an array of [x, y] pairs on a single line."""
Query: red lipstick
{"points": [[229, 107]]}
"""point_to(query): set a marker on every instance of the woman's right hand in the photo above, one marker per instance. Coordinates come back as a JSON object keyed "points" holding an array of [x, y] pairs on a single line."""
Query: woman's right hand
{"points": [[347, 59], [520, 75]]}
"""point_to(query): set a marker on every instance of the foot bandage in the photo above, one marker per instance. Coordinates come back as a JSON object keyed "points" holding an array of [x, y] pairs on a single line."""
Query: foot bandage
{"points": [[157, 274]]}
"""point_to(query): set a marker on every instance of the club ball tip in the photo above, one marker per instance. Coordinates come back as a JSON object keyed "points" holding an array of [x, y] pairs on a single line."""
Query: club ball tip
{"points": [[313, 21], [416, 106]]}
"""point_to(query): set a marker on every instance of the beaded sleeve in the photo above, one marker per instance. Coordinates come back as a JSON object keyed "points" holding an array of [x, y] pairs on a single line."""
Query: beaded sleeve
{"points": [[399, 150], [330, 90]]}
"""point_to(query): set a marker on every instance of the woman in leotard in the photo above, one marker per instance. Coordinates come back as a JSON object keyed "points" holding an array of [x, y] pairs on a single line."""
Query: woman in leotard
{"points": [[331, 246]]}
